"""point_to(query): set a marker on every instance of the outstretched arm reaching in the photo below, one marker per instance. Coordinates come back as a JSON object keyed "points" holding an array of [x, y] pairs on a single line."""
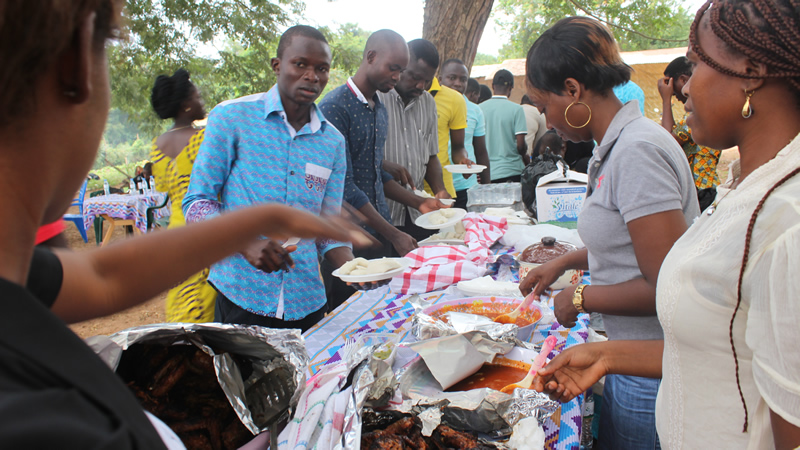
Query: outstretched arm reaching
{"points": [[110, 279]]}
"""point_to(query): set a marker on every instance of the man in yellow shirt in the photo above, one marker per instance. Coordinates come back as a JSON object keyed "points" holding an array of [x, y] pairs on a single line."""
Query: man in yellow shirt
{"points": [[451, 111]]}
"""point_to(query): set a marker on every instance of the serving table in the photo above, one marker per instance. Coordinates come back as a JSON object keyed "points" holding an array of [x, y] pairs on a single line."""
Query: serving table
{"points": [[123, 209], [383, 311]]}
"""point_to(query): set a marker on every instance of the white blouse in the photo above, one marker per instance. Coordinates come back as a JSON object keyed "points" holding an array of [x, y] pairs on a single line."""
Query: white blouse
{"points": [[698, 404]]}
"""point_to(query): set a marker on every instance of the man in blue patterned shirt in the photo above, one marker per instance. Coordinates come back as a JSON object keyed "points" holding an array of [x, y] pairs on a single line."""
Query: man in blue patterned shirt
{"points": [[274, 147]]}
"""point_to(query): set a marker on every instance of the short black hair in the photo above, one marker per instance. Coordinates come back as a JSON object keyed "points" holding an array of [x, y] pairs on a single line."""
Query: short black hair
{"points": [[424, 50], [679, 66], [453, 61], [486, 94], [169, 92], [503, 78], [298, 30], [525, 100], [473, 86], [576, 47], [550, 136]]}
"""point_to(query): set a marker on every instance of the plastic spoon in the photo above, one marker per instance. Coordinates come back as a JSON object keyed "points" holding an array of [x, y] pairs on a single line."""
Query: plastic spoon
{"points": [[537, 364], [513, 315], [291, 241]]}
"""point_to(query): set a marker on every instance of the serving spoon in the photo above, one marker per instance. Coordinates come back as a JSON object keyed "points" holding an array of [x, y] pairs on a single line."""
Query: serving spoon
{"points": [[537, 364], [514, 315]]}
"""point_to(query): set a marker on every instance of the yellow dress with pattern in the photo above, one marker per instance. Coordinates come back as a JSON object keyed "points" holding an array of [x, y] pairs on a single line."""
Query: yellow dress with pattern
{"points": [[193, 299], [702, 160]]}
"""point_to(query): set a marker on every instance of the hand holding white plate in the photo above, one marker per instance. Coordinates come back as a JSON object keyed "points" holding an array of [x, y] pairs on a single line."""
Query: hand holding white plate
{"points": [[462, 168], [441, 218]]}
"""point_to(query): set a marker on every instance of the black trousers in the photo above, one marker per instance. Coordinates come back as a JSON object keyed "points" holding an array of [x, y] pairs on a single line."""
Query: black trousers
{"points": [[461, 199], [226, 311], [513, 179], [337, 290]]}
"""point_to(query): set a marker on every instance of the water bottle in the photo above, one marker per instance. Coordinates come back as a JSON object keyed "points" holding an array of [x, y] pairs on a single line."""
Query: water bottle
{"points": [[105, 187], [152, 184], [588, 416], [132, 189]]}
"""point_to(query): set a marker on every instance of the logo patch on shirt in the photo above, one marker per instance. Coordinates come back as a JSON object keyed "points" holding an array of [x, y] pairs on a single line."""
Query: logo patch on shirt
{"points": [[317, 177], [600, 181]]}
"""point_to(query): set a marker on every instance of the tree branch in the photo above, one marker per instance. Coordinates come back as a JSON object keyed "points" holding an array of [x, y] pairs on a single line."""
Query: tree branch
{"points": [[628, 30]]}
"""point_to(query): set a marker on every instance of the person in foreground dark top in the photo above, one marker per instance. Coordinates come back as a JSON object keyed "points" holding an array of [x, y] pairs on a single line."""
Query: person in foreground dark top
{"points": [[54, 391]]}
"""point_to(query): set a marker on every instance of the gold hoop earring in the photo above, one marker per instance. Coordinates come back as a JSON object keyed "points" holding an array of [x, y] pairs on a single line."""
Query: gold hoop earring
{"points": [[587, 120], [188, 109], [747, 110]]}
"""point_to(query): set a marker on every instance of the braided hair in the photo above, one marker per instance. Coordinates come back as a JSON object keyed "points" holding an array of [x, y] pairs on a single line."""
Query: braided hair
{"points": [[169, 92], [768, 32]]}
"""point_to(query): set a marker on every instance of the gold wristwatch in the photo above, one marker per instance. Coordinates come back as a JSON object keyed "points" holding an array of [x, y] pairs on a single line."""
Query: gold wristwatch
{"points": [[577, 298]]}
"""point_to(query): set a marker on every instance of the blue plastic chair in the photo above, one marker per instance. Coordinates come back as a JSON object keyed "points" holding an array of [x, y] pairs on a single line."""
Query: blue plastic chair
{"points": [[78, 218]]}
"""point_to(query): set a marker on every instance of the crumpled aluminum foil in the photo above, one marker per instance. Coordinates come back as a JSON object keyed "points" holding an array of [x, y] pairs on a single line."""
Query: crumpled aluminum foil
{"points": [[369, 359], [483, 410], [424, 326], [279, 360]]}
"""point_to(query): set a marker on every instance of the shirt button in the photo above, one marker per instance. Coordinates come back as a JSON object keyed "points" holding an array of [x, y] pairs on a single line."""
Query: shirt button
{"points": [[291, 173]]}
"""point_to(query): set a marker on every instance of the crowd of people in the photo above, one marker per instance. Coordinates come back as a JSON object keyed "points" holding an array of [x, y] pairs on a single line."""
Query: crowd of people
{"points": [[699, 307]]}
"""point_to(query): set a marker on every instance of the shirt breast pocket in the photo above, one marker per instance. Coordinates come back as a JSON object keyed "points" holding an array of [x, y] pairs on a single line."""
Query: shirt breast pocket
{"points": [[316, 178]]}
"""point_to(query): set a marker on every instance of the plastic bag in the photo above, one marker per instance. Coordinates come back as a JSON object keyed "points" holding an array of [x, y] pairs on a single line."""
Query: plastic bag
{"points": [[539, 167]]}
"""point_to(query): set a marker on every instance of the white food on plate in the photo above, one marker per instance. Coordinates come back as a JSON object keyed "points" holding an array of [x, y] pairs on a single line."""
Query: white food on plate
{"points": [[441, 216], [458, 233], [360, 266]]}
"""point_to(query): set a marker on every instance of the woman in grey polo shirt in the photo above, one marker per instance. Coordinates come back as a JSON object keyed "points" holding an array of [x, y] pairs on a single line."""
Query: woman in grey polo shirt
{"points": [[640, 200]]}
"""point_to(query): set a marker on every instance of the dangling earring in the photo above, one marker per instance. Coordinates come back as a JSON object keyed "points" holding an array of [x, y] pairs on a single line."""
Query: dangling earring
{"points": [[747, 111], [587, 120], [188, 109]]}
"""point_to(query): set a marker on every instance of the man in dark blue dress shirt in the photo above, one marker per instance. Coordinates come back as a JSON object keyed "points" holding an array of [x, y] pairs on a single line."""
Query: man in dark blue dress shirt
{"points": [[355, 110]]}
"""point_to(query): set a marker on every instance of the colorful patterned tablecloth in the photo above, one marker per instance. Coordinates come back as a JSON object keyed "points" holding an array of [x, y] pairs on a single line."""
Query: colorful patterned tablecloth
{"points": [[125, 207], [386, 312]]}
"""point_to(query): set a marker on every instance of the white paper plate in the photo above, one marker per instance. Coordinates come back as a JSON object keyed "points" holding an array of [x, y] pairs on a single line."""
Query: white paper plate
{"points": [[462, 168], [424, 220], [447, 201], [430, 241], [375, 276]]}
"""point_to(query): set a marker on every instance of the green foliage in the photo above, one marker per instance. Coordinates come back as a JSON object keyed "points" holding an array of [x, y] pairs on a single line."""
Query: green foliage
{"points": [[635, 22], [164, 35], [347, 46], [482, 59], [116, 176]]}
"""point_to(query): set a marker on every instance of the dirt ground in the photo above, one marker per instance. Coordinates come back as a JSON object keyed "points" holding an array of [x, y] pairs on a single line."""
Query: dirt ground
{"points": [[151, 311]]}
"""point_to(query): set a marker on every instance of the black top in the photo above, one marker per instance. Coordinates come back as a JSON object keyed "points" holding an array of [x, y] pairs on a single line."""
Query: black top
{"points": [[54, 391]]}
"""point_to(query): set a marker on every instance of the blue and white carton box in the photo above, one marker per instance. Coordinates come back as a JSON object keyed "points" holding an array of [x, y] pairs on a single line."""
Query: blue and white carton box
{"points": [[560, 196]]}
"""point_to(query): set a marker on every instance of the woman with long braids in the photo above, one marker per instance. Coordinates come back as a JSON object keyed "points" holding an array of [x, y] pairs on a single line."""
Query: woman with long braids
{"points": [[728, 290], [173, 156], [641, 200]]}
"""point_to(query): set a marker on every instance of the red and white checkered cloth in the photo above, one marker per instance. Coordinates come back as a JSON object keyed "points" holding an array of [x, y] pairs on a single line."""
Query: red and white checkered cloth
{"points": [[436, 267]]}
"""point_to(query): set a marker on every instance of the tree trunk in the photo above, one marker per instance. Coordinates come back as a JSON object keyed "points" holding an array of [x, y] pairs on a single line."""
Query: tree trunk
{"points": [[455, 27]]}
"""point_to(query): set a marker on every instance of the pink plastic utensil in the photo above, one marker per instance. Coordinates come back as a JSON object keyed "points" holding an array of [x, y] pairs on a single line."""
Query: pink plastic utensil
{"points": [[537, 364], [514, 315]]}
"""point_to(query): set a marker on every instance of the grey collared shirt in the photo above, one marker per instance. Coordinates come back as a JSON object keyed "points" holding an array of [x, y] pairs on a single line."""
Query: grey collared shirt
{"points": [[411, 140]]}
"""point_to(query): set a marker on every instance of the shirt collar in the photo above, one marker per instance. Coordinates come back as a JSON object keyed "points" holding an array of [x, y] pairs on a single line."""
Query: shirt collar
{"points": [[627, 114], [504, 97], [355, 90], [273, 104], [435, 86]]}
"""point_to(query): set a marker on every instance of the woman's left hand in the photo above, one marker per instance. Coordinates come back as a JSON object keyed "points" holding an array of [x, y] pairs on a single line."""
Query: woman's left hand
{"points": [[566, 314]]}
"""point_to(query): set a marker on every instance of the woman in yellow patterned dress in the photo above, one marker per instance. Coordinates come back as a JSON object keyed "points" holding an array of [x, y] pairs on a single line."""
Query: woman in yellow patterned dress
{"points": [[173, 154]]}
